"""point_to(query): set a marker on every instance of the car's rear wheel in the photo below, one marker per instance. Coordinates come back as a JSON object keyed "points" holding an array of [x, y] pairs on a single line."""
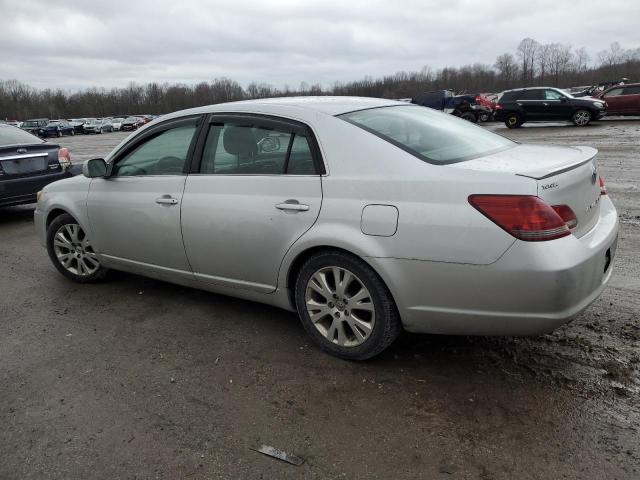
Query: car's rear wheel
{"points": [[513, 120], [345, 306], [71, 252], [581, 118]]}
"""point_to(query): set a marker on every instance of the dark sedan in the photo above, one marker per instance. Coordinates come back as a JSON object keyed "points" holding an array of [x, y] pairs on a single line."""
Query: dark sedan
{"points": [[27, 164], [57, 128], [34, 125], [131, 123]]}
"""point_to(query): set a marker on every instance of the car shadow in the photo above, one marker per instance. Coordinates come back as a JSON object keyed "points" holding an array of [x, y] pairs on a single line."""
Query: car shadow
{"points": [[18, 214]]}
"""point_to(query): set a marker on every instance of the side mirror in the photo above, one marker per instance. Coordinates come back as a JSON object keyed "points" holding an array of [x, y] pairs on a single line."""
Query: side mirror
{"points": [[94, 168], [563, 99]]}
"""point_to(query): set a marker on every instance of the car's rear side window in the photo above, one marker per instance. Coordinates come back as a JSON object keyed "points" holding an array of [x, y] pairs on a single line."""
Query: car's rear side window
{"points": [[531, 95], [432, 136], [242, 149]]}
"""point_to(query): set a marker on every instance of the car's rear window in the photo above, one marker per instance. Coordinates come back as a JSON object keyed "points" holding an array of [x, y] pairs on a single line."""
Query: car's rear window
{"points": [[432, 136], [14, 136]]}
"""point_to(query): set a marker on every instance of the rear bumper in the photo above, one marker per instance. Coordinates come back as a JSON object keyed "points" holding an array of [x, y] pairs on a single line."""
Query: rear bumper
{"points": [[532, 289], [17, 191]]}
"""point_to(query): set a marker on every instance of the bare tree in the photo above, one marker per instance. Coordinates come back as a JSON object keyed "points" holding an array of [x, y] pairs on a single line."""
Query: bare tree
{"points": [[614, 55], [526, 51]]}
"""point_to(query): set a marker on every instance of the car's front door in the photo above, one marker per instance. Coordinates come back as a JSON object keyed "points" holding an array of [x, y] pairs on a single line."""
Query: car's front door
{"points": [[256, 190], [556, 105], [134, 212], [615, 101]]}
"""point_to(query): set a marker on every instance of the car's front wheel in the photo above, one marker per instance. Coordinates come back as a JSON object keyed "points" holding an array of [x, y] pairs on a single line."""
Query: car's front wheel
{"points": [[581, 118], [469, 117], [345, 307], [71, 252]]}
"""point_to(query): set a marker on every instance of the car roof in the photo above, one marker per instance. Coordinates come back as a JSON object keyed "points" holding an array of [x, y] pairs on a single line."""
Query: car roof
{"points": [[319, 104]]}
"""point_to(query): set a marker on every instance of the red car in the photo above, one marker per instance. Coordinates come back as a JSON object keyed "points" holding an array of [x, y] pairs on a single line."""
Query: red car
{"points": [[622, 99]]}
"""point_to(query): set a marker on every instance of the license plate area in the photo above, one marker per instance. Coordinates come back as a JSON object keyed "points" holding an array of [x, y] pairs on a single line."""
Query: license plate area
{"points": [[20, 166]]}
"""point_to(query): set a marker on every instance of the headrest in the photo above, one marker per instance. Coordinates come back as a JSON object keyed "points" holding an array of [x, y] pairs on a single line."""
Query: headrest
{"points": [[239, 140]]}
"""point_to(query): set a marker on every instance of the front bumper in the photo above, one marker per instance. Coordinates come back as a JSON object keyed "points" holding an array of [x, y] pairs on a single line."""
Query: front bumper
{"points": [[532, 289], [18, 191]]}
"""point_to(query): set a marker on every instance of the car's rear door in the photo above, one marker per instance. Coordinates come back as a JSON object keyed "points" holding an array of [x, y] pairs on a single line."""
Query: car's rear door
{"points": [[531, 101], [134, 213], [256, 190]]}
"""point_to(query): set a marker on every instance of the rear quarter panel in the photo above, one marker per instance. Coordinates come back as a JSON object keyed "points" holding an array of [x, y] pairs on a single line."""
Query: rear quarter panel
{"points": [[435, 221]]}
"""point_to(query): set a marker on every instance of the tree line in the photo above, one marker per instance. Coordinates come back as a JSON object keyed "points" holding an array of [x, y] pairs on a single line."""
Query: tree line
{"points": [[532, 64]]}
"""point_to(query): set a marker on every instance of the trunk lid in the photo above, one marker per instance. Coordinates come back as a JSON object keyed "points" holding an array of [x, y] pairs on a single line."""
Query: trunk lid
{"points": [[564, 176], [25, 160]]}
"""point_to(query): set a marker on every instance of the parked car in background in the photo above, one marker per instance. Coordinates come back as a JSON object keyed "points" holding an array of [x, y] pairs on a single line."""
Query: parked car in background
{"points": [[34, 125], [622, 99], [444, 228], [27, 164], [96, 125], [13, 123], [117, 123], [78, 124], [131, 123], [463, 106], [57, 128], [107, 125], [536, 104], [596, 90]]}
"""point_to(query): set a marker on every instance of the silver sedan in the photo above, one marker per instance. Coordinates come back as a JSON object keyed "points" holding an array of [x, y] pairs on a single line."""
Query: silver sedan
{"points": [[366, 216]]}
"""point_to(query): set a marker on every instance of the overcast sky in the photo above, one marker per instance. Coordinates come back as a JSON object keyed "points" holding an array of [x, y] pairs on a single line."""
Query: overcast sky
{"points": [[78, 44]]}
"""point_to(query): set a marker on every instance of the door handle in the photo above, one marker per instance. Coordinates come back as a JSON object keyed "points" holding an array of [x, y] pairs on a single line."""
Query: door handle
{"points": [[166, 201], [296, 207]]}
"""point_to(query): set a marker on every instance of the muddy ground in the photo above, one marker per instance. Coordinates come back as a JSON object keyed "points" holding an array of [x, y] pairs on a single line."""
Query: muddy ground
{"points": [[136, 378]]}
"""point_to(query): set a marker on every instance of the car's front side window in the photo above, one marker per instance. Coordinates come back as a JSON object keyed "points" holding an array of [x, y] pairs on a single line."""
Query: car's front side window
{"points": [[162, 154], [553, 95], [613, 93], [242, 149]]}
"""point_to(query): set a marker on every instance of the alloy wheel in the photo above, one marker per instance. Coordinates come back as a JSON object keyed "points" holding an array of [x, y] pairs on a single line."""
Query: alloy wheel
{"points": [[73, 250], [340, 306], [581, 118]]}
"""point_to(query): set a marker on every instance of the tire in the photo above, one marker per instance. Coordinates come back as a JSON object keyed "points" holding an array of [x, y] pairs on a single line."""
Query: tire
{"points": [[81, 265], [469, 117], [581, 118], [513, 120], [337, 328]]}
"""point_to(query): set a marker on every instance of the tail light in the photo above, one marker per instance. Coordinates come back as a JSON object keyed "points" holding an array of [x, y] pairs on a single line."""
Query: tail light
{"points": [[64, 158], [498, 106], [567, 215], [526, 217], [603, 189]]}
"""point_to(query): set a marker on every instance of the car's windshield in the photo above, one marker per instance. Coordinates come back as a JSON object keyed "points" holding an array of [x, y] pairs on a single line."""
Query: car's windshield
{"points": [[132, 119], [53, 124], [15, 136], [30, 123], [432, 136]]}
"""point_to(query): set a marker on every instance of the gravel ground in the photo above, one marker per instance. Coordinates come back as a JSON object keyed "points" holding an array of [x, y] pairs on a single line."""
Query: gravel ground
{"points": [[136, 378]]}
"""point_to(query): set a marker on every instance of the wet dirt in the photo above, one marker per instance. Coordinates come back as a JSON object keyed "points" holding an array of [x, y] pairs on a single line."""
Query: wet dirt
{"points": [[136, 378]]}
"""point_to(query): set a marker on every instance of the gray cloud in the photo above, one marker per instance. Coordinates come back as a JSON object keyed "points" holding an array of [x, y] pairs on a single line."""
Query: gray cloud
{"points": [[73, 44]]}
